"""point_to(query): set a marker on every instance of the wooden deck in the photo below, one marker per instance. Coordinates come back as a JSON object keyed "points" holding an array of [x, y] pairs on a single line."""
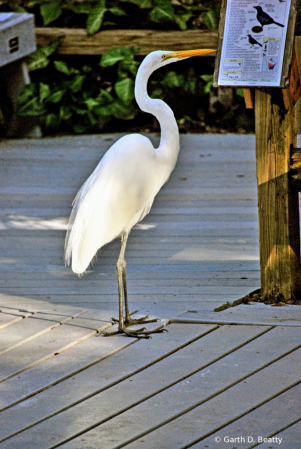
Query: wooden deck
{"points": [[214, 380]]}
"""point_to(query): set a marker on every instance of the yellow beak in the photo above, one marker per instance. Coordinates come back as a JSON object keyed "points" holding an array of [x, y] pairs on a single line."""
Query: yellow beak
{"points": [[187, 53]]}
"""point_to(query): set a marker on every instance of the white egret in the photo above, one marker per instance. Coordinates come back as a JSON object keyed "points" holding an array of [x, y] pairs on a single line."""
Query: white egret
{"points": [[121, 189]]}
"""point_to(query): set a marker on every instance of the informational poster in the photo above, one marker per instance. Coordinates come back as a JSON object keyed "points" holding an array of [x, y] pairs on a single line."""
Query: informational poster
{"points": [[253, 42]]}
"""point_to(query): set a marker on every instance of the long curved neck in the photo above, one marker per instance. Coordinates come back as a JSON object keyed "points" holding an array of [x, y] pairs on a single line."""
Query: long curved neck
{"points": [[169, 143]]}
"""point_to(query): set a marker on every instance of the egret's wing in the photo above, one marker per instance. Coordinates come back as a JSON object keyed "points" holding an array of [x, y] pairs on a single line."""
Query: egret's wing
{"points": [[111, 200]]}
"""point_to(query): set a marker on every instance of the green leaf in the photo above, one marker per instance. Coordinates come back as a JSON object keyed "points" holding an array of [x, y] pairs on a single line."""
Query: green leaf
{"points": [[27, 93], [172, 80], [33, 108], [182, 20], [77, 83], [207, 87], [62, 67], [141, 3], [20, 9], [49, 49], [105, 97], [56, 96], [210, 19], [190, 85], [65, 112], [95, 17], [160, 15], [114, 55], [93, 120], [207, 77], [165, 4], [80, 111], [35, 2], [117, 11], [39, 59], [82, 8], [125, 90], [103, 111], [52, 121], [239, 92], [157, 93], [123, 112], [50, 12], [209, 83], [87, 68], [91, 103], [127, 67], [44, 91]]}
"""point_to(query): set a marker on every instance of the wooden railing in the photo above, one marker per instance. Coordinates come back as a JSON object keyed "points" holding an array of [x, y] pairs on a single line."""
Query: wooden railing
{"points": [[77, 42]]}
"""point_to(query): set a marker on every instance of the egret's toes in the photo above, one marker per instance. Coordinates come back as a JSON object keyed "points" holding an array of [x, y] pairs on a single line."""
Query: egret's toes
{"points": [[131, 321], [139, 333], [142, 320]]}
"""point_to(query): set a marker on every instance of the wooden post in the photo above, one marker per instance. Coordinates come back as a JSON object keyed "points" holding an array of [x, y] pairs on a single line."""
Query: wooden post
{"points": [[278, 208]]}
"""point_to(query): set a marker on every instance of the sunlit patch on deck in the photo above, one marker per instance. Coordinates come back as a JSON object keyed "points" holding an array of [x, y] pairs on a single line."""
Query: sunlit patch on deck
{"points": [[24, 222], [144, 226], [207, 253]]}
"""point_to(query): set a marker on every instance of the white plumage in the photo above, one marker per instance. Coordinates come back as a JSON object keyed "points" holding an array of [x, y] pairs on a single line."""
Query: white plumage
{"points": [[121, 189]]}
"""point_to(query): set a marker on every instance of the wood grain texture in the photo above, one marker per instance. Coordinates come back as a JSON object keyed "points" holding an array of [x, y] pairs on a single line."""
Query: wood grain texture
{"points": [[76, 41], [292, 93], [279, 232], [266, 420]]}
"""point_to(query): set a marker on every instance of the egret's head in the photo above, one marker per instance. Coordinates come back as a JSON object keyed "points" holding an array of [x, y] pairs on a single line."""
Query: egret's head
{"points": [[159, 58], [173, 56]]}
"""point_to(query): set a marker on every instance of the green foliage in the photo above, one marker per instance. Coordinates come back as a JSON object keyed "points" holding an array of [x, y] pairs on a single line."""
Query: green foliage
{"points": [[96, 16], [76, 100], [117, 54], [208, 83], [125, 90], [102, 14], [211, 18], [81, 96], [39, 59], [50, 11], [239, 92]]}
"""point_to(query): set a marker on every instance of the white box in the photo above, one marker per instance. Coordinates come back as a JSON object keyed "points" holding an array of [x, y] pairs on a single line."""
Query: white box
{"points": [[17, 36]]}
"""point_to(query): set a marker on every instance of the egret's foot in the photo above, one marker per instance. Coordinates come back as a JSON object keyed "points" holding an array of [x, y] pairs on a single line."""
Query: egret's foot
{"points": [[139, 333], [132, 321]]}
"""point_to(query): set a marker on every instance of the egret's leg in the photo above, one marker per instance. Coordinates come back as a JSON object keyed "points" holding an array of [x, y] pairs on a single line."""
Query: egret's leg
{"points": [[122, 287], [120, 267], [128, 320]]}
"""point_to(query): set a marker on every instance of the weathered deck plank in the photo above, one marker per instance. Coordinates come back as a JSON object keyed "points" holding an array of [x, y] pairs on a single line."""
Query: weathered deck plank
{"points": [[228, 406], [267, 420], [138, 388], [210, 384], [246, 314], [75, 360], [9, 319], [118, 367], [51, 341], [291, 436], [33, 326]]}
